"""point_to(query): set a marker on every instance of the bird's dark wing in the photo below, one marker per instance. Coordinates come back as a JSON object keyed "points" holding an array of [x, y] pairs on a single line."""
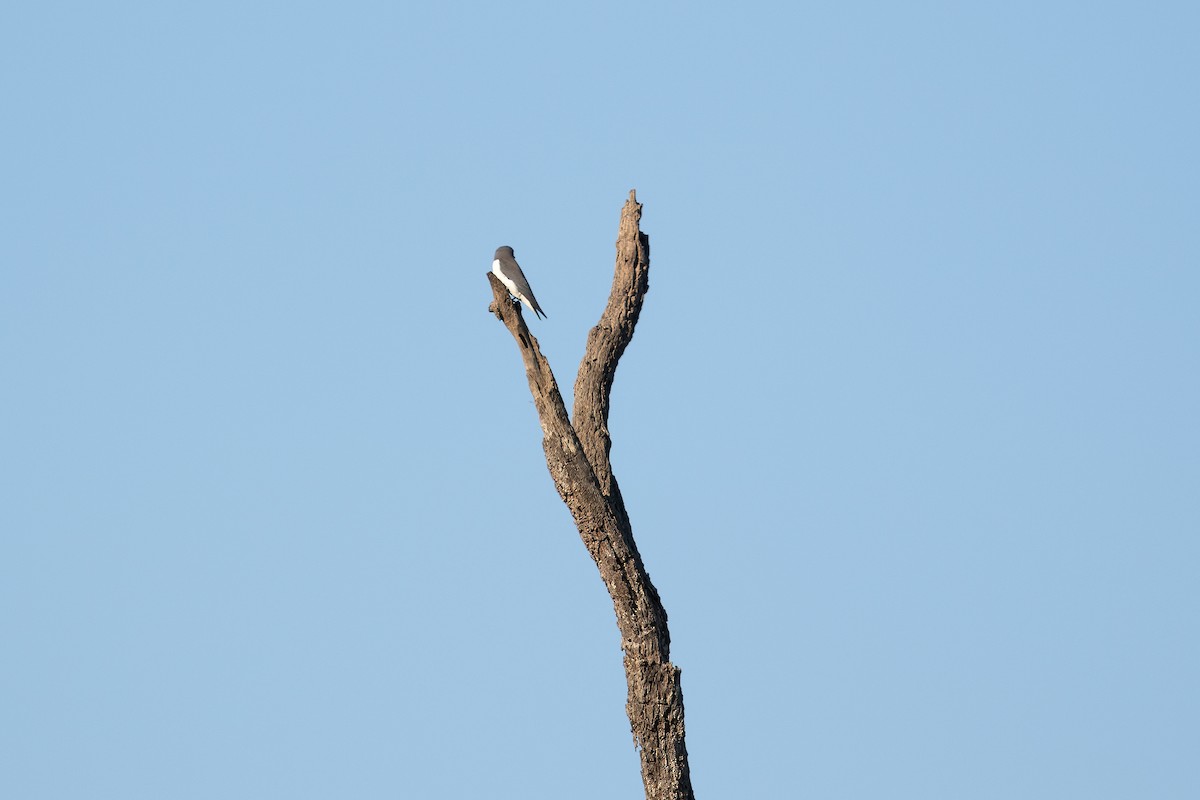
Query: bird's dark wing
{"points": [[513, 272]]}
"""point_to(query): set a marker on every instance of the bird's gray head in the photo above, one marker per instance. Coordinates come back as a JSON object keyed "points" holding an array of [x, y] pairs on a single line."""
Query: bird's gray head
{"points": [[504, 251]]}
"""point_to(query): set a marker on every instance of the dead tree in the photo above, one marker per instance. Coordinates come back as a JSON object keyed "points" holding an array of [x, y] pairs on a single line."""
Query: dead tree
{"points": [[577, 455]]}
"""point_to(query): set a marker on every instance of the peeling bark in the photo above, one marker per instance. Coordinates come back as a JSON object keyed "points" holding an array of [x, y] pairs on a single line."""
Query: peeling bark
{"points": [[578, 459]]}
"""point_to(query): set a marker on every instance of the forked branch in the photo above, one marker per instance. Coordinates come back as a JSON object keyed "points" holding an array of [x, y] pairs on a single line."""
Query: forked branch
{"points": [[578, 459]]}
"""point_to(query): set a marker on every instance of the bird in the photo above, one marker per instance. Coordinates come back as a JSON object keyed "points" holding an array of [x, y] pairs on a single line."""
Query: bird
{"points": [[506, 268]]}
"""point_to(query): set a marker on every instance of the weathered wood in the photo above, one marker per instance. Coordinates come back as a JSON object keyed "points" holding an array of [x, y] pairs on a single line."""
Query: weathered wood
{"points": [[608, 340], [578, 459]]}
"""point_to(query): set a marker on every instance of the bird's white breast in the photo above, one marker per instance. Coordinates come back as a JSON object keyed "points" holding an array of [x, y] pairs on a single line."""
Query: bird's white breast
{"points": [[512, 287]]}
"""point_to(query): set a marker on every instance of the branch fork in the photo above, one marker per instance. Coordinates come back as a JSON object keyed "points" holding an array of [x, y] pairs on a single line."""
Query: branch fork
{"points": [[577, 456]]}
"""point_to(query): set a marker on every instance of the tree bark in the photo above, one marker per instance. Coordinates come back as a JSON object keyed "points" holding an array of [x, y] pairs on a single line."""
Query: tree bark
{"points": [[578, 459]]}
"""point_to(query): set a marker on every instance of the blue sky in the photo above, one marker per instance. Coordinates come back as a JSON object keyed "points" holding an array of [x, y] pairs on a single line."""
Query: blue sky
{"points": [[907, 432]]}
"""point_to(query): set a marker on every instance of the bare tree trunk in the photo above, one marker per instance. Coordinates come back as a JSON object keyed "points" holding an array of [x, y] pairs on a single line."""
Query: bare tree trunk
{"points": [[577, 456]]}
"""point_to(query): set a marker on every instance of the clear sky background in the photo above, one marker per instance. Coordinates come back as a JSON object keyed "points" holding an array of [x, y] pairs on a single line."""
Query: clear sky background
{"points": [[908, 431]]}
